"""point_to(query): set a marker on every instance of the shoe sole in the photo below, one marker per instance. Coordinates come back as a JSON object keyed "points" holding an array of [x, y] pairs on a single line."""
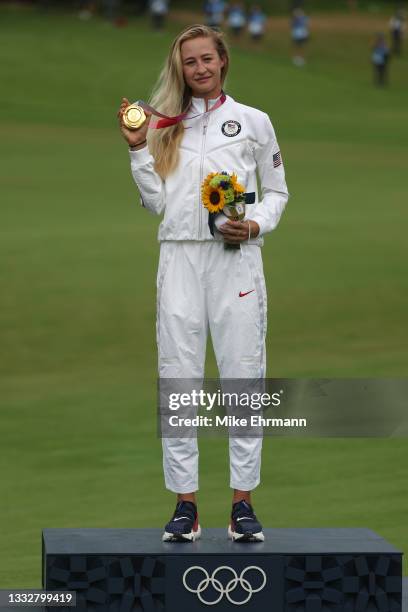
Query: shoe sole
{"points": [[182, 537], [245, 537]]}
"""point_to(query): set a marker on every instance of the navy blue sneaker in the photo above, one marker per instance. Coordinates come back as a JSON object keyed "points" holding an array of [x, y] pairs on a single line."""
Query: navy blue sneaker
{"points": [[244, 526], [183, 526]]}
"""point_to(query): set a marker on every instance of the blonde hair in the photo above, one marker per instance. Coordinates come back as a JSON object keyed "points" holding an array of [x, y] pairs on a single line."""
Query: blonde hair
{"points": [[171, 96]]}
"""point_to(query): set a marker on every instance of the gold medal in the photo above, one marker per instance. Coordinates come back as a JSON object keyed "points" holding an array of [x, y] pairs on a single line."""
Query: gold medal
{"points": [[134, 117]]}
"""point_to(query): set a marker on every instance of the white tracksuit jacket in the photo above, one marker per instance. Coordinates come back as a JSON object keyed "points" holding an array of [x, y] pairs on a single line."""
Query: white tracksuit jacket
{"points": [[233, 138], [200, 285]]}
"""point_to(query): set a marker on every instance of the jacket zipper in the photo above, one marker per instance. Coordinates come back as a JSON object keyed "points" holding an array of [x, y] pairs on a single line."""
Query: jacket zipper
{"points": [[206, 120]]}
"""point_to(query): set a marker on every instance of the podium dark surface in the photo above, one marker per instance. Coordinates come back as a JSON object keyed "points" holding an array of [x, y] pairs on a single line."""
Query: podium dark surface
{"points": [[299, 570], [215, 541]]}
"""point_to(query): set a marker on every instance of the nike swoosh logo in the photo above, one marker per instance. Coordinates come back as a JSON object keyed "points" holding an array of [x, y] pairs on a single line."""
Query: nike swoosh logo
{"points": [[180, 517], [246, 293], [244, 518]]}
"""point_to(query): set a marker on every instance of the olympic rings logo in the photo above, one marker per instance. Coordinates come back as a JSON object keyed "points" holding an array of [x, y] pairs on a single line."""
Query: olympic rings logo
{"points": [[228, 588]]}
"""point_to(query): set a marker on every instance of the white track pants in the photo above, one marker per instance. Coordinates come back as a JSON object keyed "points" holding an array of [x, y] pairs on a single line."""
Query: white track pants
{"points": [[198, 288]]}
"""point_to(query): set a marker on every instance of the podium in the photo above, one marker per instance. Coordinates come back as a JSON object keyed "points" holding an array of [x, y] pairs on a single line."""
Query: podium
{"points": [[294, 570]]}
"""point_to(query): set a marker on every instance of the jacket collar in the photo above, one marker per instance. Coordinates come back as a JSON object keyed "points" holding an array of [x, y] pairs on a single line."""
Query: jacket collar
{"points": [[198, 104]]}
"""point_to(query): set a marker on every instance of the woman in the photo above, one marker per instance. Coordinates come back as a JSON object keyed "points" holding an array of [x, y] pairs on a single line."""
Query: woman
{"points": [[200, 284]]}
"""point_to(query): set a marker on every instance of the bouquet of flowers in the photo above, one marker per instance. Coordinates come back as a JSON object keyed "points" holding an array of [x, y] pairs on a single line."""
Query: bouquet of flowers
{"points": [[221, 193]]}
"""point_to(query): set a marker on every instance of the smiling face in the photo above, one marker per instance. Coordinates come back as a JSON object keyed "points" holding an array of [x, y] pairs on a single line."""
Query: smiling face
{"points": [[202, 67]]}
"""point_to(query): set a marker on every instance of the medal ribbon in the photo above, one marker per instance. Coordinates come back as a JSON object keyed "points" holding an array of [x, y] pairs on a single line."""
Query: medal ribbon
{"points": [[166, 121]]}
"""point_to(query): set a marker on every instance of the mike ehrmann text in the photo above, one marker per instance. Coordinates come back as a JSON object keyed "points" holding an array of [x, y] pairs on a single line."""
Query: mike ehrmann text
{"points": [[256, 420]]}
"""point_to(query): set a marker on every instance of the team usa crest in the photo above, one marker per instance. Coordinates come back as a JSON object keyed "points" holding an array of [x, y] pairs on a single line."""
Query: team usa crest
{"points": [[231, 128]]}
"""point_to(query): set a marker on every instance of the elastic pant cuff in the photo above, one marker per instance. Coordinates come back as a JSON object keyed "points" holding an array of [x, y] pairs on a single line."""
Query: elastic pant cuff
{"points": [[189, 488], [245, 486]]}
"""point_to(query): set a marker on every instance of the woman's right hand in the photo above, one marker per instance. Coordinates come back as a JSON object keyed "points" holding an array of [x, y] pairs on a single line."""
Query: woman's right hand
{"points": [[133, 137]]}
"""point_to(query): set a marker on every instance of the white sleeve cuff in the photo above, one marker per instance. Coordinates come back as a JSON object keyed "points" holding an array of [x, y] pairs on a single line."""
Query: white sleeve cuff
{"points": [[260, 222], [140, 156]]}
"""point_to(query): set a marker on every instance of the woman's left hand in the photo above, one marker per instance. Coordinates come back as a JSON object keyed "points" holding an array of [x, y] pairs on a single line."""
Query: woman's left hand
{"points": [[235, 232]]}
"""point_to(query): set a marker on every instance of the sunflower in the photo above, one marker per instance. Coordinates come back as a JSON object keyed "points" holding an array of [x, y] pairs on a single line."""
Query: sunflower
{"points": [[213, 198], [238, 188]]}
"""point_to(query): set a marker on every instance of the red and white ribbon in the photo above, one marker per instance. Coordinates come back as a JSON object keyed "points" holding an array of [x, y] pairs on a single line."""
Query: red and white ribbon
{"points": [[166, 121]]}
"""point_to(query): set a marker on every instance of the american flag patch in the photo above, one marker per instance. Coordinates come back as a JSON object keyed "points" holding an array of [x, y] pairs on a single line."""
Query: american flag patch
{"points": [[277, 159]]}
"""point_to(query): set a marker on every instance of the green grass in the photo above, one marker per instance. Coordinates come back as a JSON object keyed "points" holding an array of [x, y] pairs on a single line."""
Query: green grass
{"points": [[77, 283]]}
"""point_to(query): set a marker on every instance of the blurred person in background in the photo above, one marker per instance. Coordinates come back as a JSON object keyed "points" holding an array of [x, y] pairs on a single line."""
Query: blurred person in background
{"points": [[236, 19], [300, 36], [380, 55], [256, 22], [202, 285], [158, 12], [214, 12], [397, 28]]}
